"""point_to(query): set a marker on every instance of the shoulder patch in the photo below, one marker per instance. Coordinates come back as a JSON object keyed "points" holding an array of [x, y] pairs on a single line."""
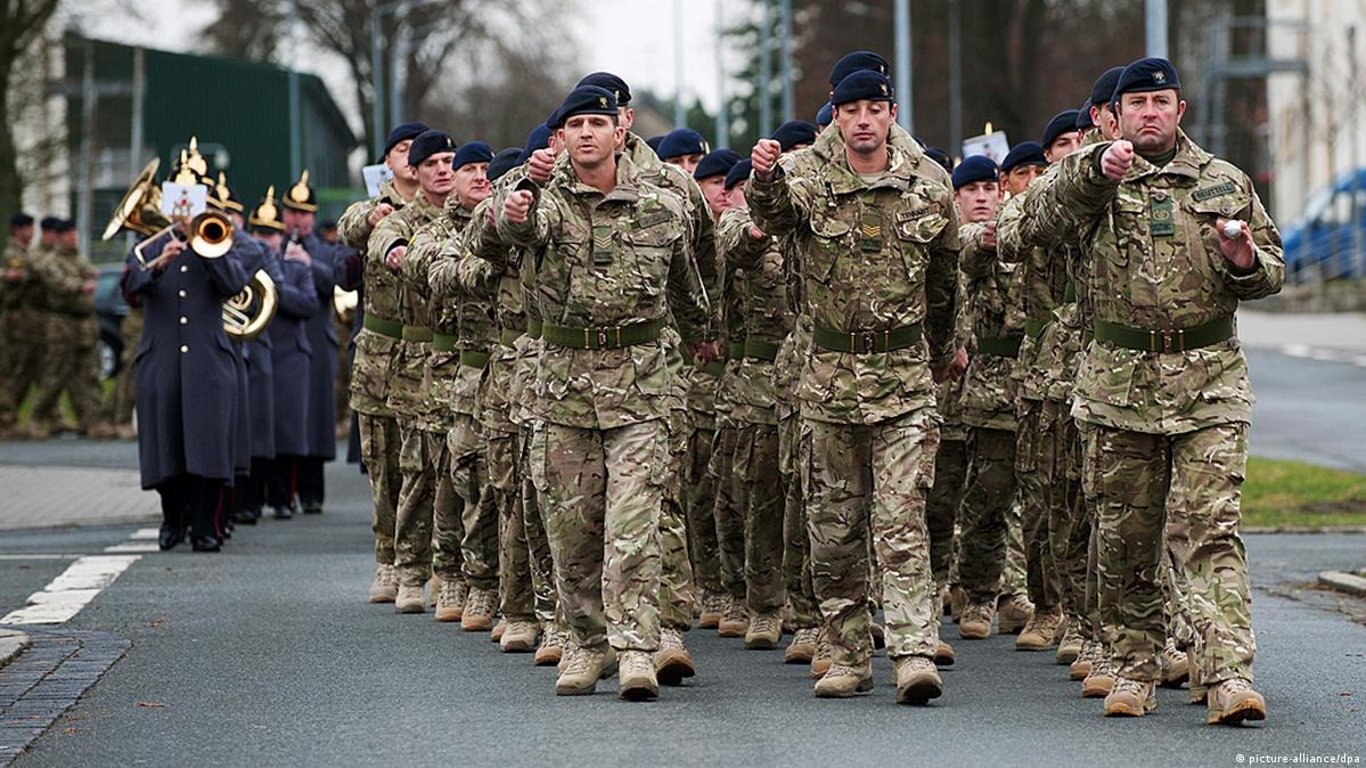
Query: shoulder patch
{"points": [[650, 219], [1218, 190]]}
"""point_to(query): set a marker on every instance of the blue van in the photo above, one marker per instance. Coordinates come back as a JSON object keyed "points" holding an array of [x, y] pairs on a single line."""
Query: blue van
{"points": [[1321, 246]]}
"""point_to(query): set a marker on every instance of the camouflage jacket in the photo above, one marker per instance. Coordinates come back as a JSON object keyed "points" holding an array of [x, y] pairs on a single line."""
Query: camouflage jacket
{"points": [[1156, 265], [873, 257], [405, 396], [430, 244], [992, 295], [948, 395], [605, 261], [763, 315], [354, 225]]}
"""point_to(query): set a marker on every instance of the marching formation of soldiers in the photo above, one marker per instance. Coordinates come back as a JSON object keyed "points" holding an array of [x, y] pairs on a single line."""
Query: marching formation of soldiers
{"points": [[609, 390]]}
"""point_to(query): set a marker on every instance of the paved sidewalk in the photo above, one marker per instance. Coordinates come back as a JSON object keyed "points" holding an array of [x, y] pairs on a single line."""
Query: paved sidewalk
{"points": [[1343, 332], [44, 497]]}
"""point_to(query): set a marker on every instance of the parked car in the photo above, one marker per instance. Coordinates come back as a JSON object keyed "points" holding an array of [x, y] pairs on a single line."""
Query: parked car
{"points": [[110, 309], [1324, 244]]}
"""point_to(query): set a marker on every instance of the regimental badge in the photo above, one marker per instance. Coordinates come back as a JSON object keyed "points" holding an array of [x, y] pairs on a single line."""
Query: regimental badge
{"points": [[299, 192], [883, 86], [603, 101], [1160, 77], [1161, 210]]}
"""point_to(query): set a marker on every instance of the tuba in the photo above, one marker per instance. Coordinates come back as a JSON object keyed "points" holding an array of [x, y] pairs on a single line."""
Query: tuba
{"points": [[248, 313], [140, 209]]}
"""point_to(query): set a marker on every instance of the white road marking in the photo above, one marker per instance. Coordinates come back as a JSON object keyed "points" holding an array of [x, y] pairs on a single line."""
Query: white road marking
{"points": [[41, 557], [135, 546], [71, 591], [145, 534]]}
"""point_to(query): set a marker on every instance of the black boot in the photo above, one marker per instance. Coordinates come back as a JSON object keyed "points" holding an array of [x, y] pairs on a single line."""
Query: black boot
{"points": [[169, 537]]}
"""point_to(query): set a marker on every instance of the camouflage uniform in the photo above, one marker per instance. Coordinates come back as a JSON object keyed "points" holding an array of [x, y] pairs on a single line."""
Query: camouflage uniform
{"points": [[870, 407], [765, 319], [987, 409], [406, 396], [950, 465], [1164, 393], [794, 443], [72, 332], [610, 269], [23, 333], [376, 348]]}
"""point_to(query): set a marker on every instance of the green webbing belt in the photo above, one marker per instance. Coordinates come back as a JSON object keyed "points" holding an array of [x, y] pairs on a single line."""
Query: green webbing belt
{"points": [[417, 333], [1034, 328], [602, 338], [865, 341], [383, 327], [533, 327], [715, 368], [443, 342], [1000, 346], [509, 336], [474, 358], [761, 350], [735, 350], [1178, 340]]}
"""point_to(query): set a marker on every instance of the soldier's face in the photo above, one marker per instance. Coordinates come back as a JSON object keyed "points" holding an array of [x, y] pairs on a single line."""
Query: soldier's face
{"points": [[302, 221], [978, 201], [865, 124], [1150, 119], [1063, 146], [714, 190], [69, 239], [1106, 121], [472, 184], [735, 198], [688, 163], [1019, 177], [22, 235], [590, 139], [397, 160], [435, 175]]}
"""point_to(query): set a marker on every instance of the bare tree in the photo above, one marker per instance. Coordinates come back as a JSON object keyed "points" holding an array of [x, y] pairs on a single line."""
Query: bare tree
{"points": [[246, 29], [21, 25]]}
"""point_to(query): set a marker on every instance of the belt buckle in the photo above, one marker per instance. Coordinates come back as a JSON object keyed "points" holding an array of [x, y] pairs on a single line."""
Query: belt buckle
{"points": [[1174, 341], [870, 341], [602, 338]]}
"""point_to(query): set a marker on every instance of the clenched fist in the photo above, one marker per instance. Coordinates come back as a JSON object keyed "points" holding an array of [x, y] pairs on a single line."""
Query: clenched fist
{"points": [[539, 165], [378, 213], [517, 207], [394, 259], [765, 156], [1117, 160]]}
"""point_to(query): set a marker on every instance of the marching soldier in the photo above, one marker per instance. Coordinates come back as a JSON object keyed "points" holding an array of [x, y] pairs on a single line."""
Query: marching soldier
{"points": [[684, 148], [72, 333], [14, 367]]}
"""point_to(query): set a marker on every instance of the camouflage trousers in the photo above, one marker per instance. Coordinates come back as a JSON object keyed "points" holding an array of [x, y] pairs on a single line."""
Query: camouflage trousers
{"points": [[416, 504], [24, 336], [699, 499], [677, 591], [545, 601], [756, 471], [870, 481], [72, 366], [479, 518], [941, 507], [603, 491], [1172, 499], [794, 451], [524, 567], [379, 449], [1035, 480], [728, 511], [984, 517], [448, 525], [1069, 521]]}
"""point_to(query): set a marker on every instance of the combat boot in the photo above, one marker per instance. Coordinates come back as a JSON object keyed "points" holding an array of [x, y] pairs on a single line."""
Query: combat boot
{"points": [[1015, 612], [384, 588], [551, 649], [1233, 701], [637, 677], [1069, 647], [1101, 679], [1130, 698], [843, 681], [1174, 665], [713, 608], [1081, 667], [944, 655], [409, 599], [824, 658], [958, 601], [765, 630], [450, 602], [673, 662], [496, 635], [735, 622], [583, 668], [479, 610], [803, 646], [1040, 632], [945, 601], [519, 637], [917, 680], [434, 590], [1199, 692], [975, 623]]}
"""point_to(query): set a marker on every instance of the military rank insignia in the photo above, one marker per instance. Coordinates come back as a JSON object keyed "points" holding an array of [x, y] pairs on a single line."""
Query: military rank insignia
{"points": [[602, 245], [1161, 209], [870, 232]]}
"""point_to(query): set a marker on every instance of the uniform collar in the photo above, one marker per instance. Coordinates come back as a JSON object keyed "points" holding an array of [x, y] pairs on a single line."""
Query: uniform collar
{"points": [[843, 180], [628, 180], [1188, 161]]}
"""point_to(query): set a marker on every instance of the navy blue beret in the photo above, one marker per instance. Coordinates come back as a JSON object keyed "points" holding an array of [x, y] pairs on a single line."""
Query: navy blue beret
{"points": [[853, 62], [825, 115], [738, 173], [716, 163], [680, 142], [1084, 121], [472, 152], [50, 223], [1104, 88], [794, 132], [64, 225], [504, 161], [860, 85], [940, 156], [402, 132], [20, 219], [429, 143], [975, 168], [587, 100], [1063, 122], [609, 82], [654, 141], [1151, 74], [539, 138], [1024, 153]]}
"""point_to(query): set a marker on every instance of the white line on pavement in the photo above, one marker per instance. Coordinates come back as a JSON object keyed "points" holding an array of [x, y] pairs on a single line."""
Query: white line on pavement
{"points": [[71, 591], [135, 546], [145, 534], [41, 557]]}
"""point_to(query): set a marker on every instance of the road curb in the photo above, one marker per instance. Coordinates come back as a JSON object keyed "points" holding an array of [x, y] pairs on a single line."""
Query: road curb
{"points": [[12, 643], [1343, 582], [1305, 529]]}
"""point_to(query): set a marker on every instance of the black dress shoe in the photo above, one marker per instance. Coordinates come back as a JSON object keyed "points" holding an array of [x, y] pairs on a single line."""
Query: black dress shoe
{"points": [[169, 537], [313, 508], [206, 544], [283, 513], [244, 517]]}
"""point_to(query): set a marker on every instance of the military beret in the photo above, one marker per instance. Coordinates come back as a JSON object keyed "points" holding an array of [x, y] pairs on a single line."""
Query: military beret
{"points": [[64, 226], [825, 115], [1150, 74], [975, 168], [794, 132], [611, 83], [1104, 88], [680, 142], [860, 85], [1084, 121], [738, 173], [401, 133], [429, 143], [1024, 153], [654, 141], [50, 223], [588, 100], [940, 156], [504, 161], [853, 62], [1063, 122], [716, 163], [472, 152], [20, 219], [539, 138]]}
